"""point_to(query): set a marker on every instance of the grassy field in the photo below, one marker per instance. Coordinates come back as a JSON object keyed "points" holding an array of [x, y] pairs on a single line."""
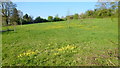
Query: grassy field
{"points": [[78, 43]]}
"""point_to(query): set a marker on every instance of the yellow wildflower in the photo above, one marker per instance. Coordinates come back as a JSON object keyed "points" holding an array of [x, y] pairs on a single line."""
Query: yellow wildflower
{"points": [[24, 53], [27, 53], [60, 49], [18, 56], [33, 52], [48, 44], [56, 53]]}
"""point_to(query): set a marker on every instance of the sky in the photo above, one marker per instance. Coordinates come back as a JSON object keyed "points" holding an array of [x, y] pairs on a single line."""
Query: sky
{"points": [[57, 0], [45, 9]]}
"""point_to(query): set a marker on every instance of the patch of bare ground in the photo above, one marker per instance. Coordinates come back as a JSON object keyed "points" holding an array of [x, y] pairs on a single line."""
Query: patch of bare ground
{"points": [[103, 59]]}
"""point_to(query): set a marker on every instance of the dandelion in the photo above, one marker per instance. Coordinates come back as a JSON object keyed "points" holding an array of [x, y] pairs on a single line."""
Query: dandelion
{"points": [[24, 53], [56, 53], [33, 52], [37, 51], [66, 48], [60, 49], [48, 44], [28, 53], [20, 55]]}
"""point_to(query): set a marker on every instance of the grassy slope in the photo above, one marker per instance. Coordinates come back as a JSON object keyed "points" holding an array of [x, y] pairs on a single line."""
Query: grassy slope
{"points": [[87, 42]]}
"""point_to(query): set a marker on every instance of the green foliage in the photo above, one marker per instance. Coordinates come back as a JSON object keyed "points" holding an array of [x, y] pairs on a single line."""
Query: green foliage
{"points": [[56, 18], [76, 16], [15, 17], [82, 16], [30, 19], [8, 9], [103, 9], [50, 18], [90, 13], [27, 19], [39, 20], [69, 17], [25, 16]]}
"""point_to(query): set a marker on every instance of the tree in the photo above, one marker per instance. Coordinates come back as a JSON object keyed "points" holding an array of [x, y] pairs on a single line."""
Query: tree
{"points": [[107, 8], [56, 18], [101, 5], [50, 18], [20, 16], [27, 19], [30, 19], [7, 11], [76, 16], [44, 20], [82, 16], [90, 13], [15, 17], [38, 19]]}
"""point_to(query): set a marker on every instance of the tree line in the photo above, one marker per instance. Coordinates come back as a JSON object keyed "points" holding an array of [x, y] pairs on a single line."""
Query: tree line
{"points": [[12, 16], [29, 20], [102, 10]]}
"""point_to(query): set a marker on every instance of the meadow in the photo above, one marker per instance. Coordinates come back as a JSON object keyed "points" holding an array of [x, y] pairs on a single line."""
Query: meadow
{"points": [[88, 42]]}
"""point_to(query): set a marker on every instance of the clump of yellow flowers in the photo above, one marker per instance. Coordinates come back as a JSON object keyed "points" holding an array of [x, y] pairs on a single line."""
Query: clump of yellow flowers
{"points": [[56, 53], [68, 47], [27, 53]]}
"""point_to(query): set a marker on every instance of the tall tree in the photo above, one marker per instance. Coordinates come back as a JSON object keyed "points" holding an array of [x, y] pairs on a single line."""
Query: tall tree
{"points": [[50, 18], [15, 17], [7, 11], [20, 16], [30, 19], [25, 19], [106, 8]]}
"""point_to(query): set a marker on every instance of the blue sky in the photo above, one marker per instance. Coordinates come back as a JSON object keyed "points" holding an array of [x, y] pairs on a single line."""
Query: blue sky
{"points": [[45, 9]]}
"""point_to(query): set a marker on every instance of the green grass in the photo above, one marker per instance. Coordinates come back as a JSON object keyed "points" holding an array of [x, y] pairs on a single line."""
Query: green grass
{"points": [[78, 43]]}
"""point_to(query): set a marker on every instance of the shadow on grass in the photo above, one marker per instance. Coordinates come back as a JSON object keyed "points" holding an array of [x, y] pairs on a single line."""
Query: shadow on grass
{"points": [[4, 31]]}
